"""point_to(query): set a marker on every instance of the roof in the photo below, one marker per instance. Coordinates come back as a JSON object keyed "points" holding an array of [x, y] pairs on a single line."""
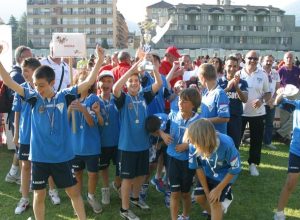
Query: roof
{"points": [[161, 4]]}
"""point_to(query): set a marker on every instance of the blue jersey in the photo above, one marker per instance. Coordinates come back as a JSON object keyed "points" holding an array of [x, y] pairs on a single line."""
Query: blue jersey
{"points": [[86, 140], [158, 103], [235, 104], [133, 112], [225, 159], [50, 140], [177, 129], [163, 119], [174, 104], [295, 142], [111, 129], [215, 103], [20, 105]]}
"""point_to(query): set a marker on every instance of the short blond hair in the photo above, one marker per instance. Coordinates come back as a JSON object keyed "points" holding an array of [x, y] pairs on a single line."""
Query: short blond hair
{"points": [[208, 71], [202, 135]]}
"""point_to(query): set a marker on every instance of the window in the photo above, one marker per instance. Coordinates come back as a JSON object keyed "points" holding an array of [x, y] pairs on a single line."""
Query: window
{"points": [[36, 21], [104, 21], [227, 40], [236, 28], [278, 29], [103, 10], [251, 28], [266, 19], [92, 21], [273, 18], [36, 31], [204, 17], [221, 18], [197, 17], [227, 17], [250, 18], [228, 28], [278, 19], [92, 11], [209, 17], [259, 28], [92, 41], [244, 28]]}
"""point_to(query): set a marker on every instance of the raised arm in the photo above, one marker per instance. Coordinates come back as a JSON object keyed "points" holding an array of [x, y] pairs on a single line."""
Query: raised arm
{"points": [[91, 79], [158, 81]]}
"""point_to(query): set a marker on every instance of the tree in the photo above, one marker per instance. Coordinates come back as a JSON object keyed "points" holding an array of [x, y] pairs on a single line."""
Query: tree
{"points": [[104, 44], [14, 26], [22, 30]]}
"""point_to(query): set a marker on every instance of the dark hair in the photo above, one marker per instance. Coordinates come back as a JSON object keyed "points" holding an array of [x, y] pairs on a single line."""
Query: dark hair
{"points": [[19, 50], [85, 73], [31, 63], [220, 67], [44, 72], [152, 124], [233, 58], [191, 94]]}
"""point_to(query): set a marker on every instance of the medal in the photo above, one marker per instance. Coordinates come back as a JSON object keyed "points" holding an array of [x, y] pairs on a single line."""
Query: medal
{"points": [[137, 121], [106, 123], [135, 108], [41, 109], [216, 175], [81, 126]]}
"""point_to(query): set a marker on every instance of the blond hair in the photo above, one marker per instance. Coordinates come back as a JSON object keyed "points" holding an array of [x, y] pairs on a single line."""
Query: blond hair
{"points": [[202, 135], [208, 71]]}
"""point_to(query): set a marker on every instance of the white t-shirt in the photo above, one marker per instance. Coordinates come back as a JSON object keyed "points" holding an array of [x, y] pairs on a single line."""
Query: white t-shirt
{"points": [[273, 78], [258, 85], [58, 68]]}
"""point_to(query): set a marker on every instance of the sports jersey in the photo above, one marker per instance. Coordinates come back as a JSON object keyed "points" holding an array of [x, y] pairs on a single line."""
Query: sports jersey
{"points": [[225, 159]]}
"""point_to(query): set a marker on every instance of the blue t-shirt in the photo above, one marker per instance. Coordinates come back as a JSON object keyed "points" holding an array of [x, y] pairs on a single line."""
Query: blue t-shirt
{"points": [[133, 112], [111, 129], [215, 103], [86, 140], [20, 105], [174, 104], [177, 129], [50, 140], [225, 159], [295, 142], [235, 104]]}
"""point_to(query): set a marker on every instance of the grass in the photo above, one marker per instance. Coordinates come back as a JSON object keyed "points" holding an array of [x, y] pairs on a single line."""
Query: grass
{"points": [[255, 198]]}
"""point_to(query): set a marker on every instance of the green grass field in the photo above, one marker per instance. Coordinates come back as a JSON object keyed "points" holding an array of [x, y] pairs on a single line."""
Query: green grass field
{"points": [[255, 198]]}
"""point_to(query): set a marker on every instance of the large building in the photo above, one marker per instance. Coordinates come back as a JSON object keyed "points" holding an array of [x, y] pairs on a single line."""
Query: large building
{"points": [[226, 26], [99, 19]]}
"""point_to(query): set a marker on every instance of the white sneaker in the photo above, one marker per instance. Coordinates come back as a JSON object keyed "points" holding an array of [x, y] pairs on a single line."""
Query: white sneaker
{"points": [[226, 203], [105, 196], [22, 206], [129, 215], [13, 178], [53, 194], [279, 216], [95, 205], [272, 147], [253, 170]]}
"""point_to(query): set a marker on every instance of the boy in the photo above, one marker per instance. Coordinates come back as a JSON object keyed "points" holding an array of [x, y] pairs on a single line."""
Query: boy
{"points": [[134, 141], [22, 111], [50, 149], [217, 164]]}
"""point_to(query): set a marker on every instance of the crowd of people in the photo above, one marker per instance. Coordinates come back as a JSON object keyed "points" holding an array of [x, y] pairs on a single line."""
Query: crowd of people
{"points": [[174, 122]]}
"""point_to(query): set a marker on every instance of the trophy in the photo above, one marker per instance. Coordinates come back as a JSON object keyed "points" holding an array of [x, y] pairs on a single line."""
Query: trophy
{"points": [[147, 26]]}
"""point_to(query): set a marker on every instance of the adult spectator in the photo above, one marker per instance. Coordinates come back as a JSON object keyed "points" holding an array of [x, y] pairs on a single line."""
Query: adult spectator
{"points": [[289, 74], [110, 63], [254, 109], [124, 64]]}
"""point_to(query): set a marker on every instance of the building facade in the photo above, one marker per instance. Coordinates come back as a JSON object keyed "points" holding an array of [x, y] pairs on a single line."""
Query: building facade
{"points": [[97, 18], [226, 26]]}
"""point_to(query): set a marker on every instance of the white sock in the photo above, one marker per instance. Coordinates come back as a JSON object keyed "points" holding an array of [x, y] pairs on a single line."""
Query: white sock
{"points": [[13, 170], [279, 212], [91, 196]]}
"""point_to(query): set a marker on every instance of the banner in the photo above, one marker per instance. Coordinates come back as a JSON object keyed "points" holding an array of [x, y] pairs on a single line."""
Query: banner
{"points": [[6, 42]]}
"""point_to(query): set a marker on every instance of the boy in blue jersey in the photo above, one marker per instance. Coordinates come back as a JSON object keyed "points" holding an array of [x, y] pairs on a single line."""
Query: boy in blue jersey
{"points": [[180, 176], [134, 141], [215, 103], [50, 151], [22, 111], [109, 133], [237, 92], [217, 164], [86, 141], [294, 155]]}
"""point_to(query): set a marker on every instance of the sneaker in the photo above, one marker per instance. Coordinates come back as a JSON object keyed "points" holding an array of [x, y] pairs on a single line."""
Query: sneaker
{"points": [[279, 216], [139, 203], [182, 217], [116, 189], [144, 191], [159, 184], [129, 215], [193, 199], [53, 194], [22, 206], [95, 205], [226, 203], [105, 192], [253, 170], [167, 199], [272, 147], [13, 178]]}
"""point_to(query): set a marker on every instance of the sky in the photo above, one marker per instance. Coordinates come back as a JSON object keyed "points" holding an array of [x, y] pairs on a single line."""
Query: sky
{"points": [[134, 10]]}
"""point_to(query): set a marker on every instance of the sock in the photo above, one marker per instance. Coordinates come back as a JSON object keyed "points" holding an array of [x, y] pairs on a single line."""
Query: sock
{"points": [[279, 212], [27, 199], [123, 210], [91, 196], [13, 170]]}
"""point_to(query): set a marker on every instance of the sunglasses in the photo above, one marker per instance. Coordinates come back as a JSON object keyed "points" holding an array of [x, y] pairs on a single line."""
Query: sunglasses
{"points": [[252, 58]]}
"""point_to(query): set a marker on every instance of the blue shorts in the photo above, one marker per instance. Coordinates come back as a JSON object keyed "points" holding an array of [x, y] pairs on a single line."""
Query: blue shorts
{"points": [[294, 163], [180, 176], [226, 193], [24, 152], [108, 154], [91, 163], [133, 164], [62, 174]]}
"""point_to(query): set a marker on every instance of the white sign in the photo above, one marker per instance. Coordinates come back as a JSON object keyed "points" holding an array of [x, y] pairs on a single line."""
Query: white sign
{"points": [[188, 74], [69, 45], [6, 42]]}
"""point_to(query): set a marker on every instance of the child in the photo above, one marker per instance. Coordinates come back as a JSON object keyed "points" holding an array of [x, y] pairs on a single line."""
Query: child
{"points": [[22, 111], [180, 177], [215, 102], [294, 157], [109, 133], [179, 86], [86, 140], [134, 141], [50, 151], [217, 164]]}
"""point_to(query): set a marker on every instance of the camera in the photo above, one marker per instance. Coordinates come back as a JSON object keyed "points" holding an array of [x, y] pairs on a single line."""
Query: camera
{"points": [[146, 66]]}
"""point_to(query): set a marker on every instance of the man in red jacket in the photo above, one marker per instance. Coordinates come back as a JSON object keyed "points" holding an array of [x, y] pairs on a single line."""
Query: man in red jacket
{"points": [[123, 65]]}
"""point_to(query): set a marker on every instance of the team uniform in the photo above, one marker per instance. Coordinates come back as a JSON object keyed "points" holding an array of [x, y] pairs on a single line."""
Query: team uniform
{"points": [[215, 103], [86, 141], [224, 160], [174, 105], [51, 152], [133, 144]]}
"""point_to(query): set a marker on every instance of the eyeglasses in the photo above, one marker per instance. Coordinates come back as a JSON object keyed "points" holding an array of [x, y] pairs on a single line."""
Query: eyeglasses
{"points": [[252, 58]]}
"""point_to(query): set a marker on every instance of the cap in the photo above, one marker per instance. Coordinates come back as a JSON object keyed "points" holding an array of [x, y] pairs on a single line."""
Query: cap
{"points": [[105, 73], [173, 51]]}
